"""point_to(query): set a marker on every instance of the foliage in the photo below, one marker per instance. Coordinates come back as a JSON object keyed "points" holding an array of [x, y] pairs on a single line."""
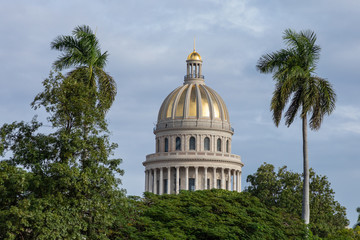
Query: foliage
{"points": [[345, 234], [212, 214], [48, 189], [282, 189]]}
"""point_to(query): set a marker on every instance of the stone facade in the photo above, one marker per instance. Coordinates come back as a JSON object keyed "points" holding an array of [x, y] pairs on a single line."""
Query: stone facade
{"points": [[193, 140]]}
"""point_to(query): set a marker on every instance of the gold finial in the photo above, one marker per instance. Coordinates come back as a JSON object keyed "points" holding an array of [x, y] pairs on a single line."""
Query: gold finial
{"points": [[194, 55]]}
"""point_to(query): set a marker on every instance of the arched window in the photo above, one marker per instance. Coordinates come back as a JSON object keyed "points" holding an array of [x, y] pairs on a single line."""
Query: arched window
{"points": [[178, 143], [207, 144], [227, 146], [218, 145], [192, 143], [157, 145], [166, 145]]}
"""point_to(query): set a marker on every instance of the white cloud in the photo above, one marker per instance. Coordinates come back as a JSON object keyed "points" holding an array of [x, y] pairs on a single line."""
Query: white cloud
{"points": [[228, 14], [347, 119], [348, 112]]}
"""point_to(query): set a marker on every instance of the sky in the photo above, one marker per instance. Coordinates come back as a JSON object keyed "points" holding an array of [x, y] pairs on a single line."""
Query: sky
{"points": [[148, 42]]}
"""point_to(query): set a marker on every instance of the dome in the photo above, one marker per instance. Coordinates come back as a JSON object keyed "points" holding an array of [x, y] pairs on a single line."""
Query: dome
{"points": [[194, 56], [193, 101], [193, 138]]}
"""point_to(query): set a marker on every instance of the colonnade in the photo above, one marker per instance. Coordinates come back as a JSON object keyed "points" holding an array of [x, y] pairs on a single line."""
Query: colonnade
{"points": [[194, 70], [229, 179]]}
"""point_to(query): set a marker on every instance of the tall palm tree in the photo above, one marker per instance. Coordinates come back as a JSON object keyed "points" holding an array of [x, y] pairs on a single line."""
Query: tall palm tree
{"points": [[82, 52], [298, 88]]}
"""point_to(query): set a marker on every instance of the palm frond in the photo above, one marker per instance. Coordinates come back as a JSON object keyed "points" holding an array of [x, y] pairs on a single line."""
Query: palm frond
{"points": [[82, 30], [81, 74], [271, 62], [291, 38], [325, 103], [277, 105], [101, 60], [107, 88], [294, 107], [328, 95], [293, 70]]}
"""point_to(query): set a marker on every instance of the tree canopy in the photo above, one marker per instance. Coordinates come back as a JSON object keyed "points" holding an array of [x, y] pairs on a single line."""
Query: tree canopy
{"points": [[59, 181], [213, 214], [283, 189], [47, 191]]}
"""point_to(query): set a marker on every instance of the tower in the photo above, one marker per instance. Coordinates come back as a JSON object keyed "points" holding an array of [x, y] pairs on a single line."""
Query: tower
{"points": [[193, 139]]}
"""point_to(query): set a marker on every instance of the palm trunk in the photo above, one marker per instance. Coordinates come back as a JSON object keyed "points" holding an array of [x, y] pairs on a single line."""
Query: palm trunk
{"points": [[306, 190]]}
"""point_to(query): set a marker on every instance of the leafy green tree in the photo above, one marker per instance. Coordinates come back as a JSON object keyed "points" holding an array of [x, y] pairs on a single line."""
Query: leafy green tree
{"points": [[293, 70], [82, 52], [283, 189], [213, 214], [47, 192], [345, 234]]}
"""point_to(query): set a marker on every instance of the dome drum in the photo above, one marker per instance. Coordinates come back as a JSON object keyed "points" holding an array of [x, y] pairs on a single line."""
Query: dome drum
{"points": [[182, 124]]}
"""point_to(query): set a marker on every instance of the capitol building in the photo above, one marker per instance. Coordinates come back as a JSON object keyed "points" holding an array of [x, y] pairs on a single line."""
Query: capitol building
{"points": [[192, 140]]}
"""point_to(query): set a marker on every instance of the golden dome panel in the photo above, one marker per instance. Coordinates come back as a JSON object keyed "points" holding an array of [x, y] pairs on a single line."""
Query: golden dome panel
{"points": [[193, 101], [194, 56]]}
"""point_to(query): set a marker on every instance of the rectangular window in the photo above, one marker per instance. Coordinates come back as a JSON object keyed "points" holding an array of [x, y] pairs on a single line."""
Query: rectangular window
{"points": [[218, 183], [192, 145], [191, 184], [157, 187], [166, 145], [178, 143], [208, 183], [165, 185]]}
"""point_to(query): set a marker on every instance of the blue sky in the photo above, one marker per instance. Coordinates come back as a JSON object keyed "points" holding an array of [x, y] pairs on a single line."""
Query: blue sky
{"points": [[148, 42]]}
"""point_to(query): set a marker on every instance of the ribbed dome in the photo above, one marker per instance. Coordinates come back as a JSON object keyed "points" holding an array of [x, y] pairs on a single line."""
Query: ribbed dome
{"points": [[193, 101], [194, 56]]}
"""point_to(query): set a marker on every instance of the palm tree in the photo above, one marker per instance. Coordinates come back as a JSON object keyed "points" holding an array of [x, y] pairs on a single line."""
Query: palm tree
{"points": [[82, 51], [299, 89]]}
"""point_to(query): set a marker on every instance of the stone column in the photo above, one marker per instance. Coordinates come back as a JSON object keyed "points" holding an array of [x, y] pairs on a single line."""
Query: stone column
{"points": [[222, 179], [230, 182], [177, 180], [196, 178], [155, 182], [239, 181], [146, 180], [205, 176], [186, 178], [161, 181], [214, 178], [168, 177], [150, 180], [213, 144], [183, 142], [234, 180], [227, 178]]}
